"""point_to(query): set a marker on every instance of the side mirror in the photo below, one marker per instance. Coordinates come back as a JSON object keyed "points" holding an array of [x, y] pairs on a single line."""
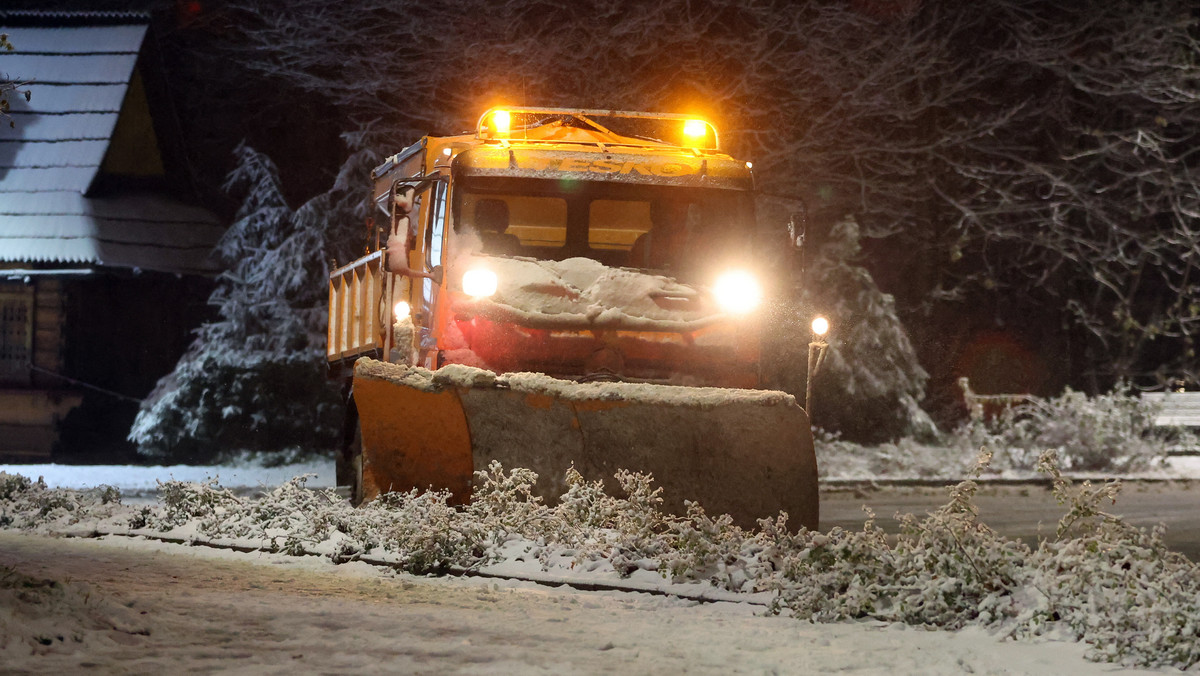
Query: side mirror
{"points": [[399, 241], [403, 197]]}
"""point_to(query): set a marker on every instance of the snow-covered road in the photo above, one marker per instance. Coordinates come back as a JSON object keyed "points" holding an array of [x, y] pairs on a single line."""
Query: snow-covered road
{"points": [[139, 606], [135, 480], [1028, 512]]}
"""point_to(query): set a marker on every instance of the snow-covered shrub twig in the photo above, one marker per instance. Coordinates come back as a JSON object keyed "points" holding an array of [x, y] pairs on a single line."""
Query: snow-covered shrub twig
{"points": [[958, 568], [421, 531], [26, 504], [1114, 586]]}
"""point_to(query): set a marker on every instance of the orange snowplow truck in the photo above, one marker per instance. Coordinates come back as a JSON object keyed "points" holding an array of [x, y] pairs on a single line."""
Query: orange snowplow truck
{"points": [[567, 288]]}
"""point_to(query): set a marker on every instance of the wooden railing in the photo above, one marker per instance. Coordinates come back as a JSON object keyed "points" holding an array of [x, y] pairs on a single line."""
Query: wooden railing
{"points": [[1176, 409]]}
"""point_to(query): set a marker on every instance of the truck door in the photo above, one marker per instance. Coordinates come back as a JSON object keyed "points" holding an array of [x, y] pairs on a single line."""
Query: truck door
{"points": [[434, 237]]}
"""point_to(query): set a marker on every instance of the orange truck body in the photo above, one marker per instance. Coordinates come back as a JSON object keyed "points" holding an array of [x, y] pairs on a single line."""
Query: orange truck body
{"points": [[567, 212]]}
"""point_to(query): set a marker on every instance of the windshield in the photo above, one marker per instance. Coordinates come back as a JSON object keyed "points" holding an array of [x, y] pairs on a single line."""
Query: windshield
{"points": [[679, 230]]}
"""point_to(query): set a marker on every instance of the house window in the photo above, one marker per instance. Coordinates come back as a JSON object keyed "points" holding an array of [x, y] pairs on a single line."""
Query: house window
{"points": [[16, 334]]}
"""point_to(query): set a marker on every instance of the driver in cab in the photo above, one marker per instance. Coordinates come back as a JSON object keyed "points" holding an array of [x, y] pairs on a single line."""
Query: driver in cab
{"points": [[662, 246]]}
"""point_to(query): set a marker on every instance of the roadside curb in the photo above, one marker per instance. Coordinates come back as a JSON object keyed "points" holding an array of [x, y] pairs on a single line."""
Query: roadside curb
{"points": [[697, 595]]}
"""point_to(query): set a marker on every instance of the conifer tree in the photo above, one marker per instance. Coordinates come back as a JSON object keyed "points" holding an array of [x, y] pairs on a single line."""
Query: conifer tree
{"points": [[254, 379]]}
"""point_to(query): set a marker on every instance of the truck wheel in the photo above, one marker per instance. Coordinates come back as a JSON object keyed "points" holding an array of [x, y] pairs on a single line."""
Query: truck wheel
{"points": [[349, 460]]}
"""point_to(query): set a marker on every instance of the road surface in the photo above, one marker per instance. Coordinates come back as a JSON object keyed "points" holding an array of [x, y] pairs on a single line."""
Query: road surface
{"points": [[1024, 511], [122, 606]]}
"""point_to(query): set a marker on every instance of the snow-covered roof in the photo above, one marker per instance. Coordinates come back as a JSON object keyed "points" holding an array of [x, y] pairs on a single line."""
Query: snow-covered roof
{"points": [[81, 67]]}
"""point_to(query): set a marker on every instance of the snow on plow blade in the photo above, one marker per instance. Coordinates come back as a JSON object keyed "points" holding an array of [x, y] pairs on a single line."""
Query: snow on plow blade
{"points": [[747, 453]]}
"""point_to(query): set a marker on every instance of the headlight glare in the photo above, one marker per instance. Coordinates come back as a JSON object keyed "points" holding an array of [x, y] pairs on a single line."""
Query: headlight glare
{"points": [[479, 283], [737, 292]]}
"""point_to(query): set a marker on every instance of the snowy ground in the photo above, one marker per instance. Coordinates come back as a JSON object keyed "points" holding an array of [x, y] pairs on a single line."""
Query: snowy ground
{"points": [[137, 606], [121, 605]]}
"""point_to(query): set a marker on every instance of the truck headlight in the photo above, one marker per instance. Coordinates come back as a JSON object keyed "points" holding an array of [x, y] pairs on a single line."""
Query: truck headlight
{"points": [[737, 292], [479, 283]]}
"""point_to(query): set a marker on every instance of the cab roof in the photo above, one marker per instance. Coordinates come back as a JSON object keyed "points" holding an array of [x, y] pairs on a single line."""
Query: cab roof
{"points": [[583, 144]]}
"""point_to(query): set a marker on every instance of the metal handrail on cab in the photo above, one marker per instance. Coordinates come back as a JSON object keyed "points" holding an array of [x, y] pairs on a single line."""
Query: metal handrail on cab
{"points": [[691, 131]]}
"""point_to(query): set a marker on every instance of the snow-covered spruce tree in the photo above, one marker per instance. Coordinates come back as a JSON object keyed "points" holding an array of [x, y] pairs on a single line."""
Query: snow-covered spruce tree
{"points": [[870, 384], [254, 379]]}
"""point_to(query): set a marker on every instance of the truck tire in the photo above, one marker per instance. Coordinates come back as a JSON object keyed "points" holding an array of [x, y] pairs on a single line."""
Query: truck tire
{"points": [[355, 466], [348, 465]]}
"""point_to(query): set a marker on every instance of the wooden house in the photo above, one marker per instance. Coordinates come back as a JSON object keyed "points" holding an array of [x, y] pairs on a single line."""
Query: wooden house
{"points": [[104, 258]]}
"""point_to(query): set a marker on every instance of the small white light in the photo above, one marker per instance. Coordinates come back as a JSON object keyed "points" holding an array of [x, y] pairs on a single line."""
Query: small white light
{"points": [[820, 326], [479, 282], [446, 152], [737, 292], [749, 164], [401, 310]]}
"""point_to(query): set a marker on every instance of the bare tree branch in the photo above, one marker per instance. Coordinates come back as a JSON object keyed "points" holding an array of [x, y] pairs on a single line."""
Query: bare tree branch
{"points": [[1044, 155]]}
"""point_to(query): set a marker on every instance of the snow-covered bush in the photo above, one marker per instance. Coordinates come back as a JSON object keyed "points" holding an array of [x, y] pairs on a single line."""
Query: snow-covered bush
{"points": [[184, 501], [1112, 431], [625, 531], [950, 568], [1112, 585], [12, 485], [27, 504], [944, 570], [427, 533], [825, 577], [507, 500], [421, 531], [702, 547]]}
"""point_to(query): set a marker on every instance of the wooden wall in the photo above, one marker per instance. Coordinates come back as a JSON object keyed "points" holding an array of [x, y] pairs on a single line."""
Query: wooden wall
{"points": [[31, 402]]}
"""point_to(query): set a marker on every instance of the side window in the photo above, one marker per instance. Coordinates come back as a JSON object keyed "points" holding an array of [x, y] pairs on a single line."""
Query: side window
{"points": [[536, 221], [417, 206], [435, 228], [434, 234]]}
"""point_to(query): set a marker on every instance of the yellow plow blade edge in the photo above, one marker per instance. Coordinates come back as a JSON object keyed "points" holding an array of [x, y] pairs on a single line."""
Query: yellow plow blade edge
{"points": [[746, 453]]}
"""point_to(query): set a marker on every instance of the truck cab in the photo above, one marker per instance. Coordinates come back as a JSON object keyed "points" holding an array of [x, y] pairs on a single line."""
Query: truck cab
{"points": [[576, 243]]}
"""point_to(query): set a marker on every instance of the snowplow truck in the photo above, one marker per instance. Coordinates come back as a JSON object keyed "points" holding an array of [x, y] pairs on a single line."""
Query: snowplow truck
{"points": [[568, 289]]}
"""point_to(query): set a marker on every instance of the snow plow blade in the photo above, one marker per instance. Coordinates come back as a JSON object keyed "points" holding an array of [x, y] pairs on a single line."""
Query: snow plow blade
{"points": [[746, 453]]}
